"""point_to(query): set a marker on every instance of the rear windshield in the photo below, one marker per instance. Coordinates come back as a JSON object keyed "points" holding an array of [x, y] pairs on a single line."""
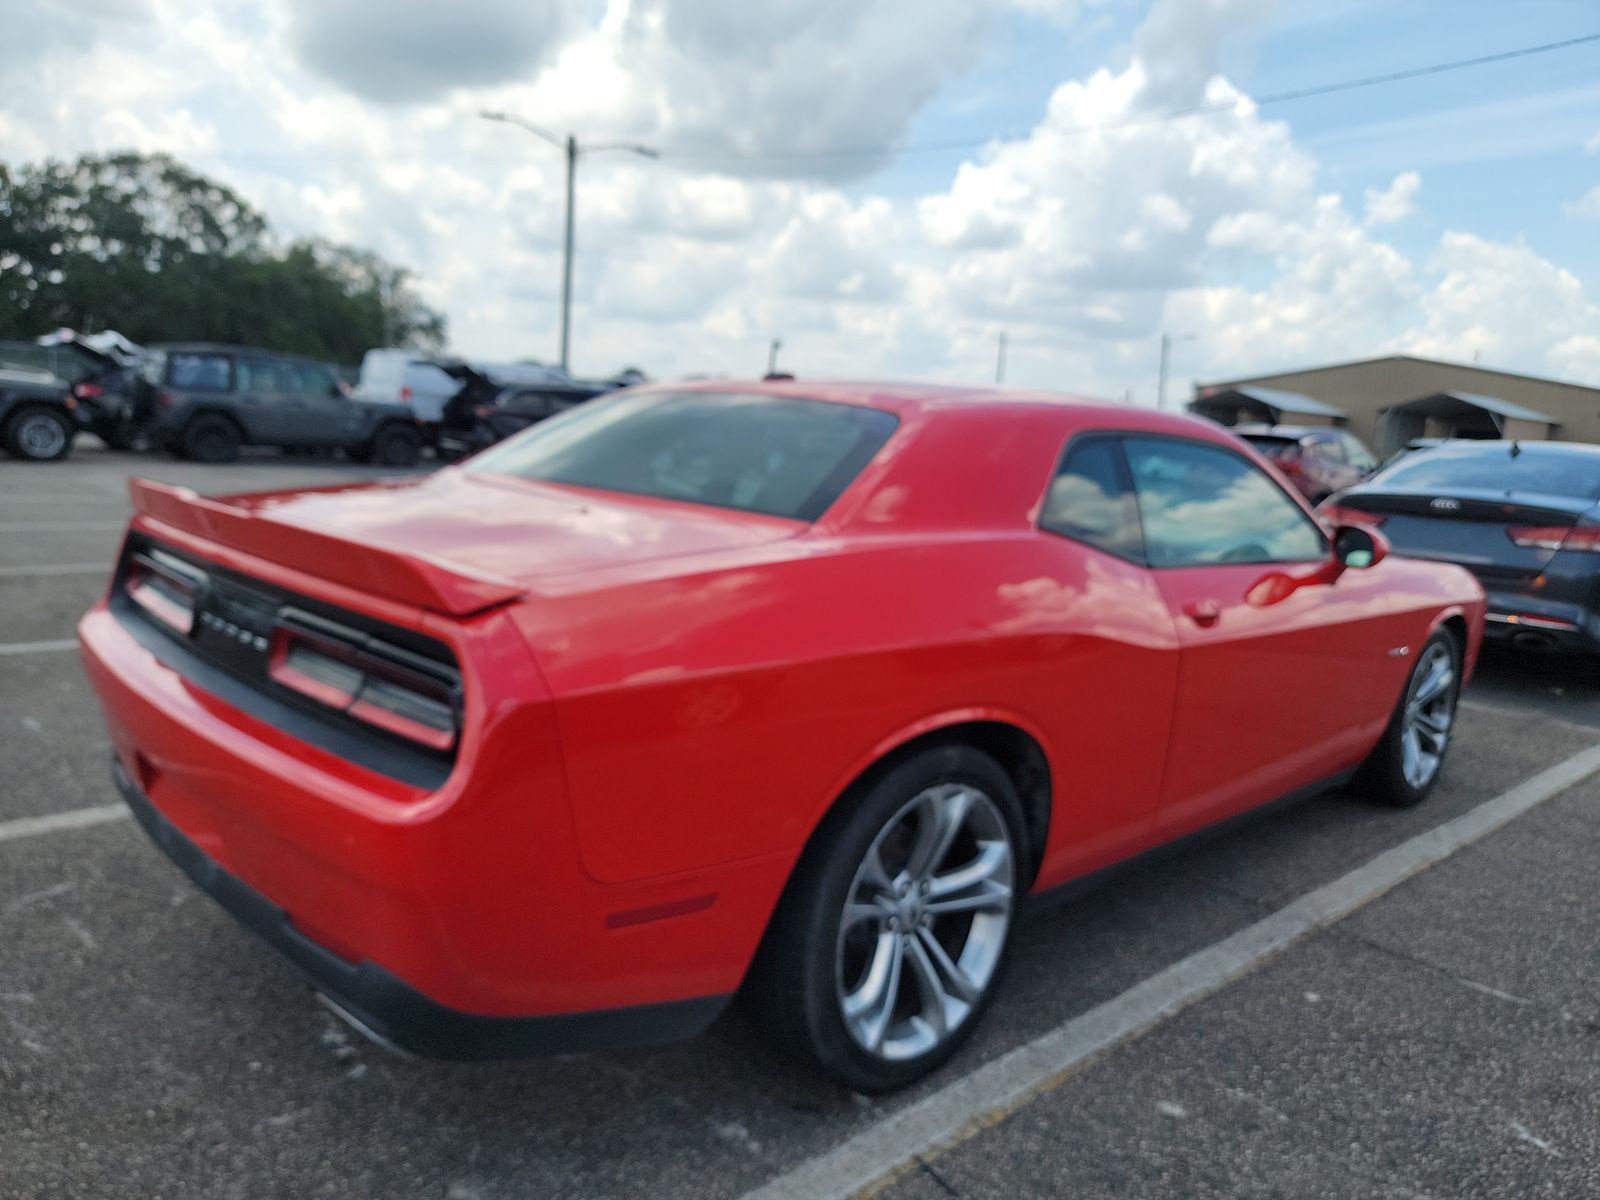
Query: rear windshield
{"points": [[1492, 467], [1271, 447], [777, 455]]}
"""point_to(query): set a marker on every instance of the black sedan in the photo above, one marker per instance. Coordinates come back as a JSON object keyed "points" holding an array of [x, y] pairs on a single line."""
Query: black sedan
{"points": [[478, 417], [1523, 517]]}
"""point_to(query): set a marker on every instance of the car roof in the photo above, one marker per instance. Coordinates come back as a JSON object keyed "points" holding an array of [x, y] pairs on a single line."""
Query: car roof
{"points": [[914, 399], [226, 348]]}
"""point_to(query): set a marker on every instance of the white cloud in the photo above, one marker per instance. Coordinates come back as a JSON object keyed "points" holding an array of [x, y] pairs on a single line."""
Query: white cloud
{"points": [[1586, 205], [1505, 305], [1084, 245], [407, 50], [1394, 203]]}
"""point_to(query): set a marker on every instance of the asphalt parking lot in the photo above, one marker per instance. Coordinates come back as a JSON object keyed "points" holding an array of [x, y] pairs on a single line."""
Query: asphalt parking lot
{"points": [[1442, 1040]]}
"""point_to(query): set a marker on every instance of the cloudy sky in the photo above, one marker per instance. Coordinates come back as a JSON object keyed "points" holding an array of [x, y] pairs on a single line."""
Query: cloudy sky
{"points": [[887, 184]]}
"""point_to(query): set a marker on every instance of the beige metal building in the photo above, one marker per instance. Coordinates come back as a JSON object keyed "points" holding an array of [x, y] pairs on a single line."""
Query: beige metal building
{"points": [[1387, 401]]}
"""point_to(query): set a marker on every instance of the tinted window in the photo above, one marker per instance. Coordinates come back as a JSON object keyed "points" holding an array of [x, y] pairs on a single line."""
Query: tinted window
{"points": [[306, 379], [1492, 467], [208, 372], [1202, 504], [769, 454], [259, 375], [1090, 499]]}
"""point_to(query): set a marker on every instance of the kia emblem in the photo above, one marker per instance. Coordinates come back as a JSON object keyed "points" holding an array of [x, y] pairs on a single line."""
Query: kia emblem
{"points": [[1445, 504]]}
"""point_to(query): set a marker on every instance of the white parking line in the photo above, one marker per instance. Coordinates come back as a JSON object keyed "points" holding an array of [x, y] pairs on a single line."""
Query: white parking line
{"points": [[52, 646], [77, 818], [59, 526], [94, 568], [974, 1102]]}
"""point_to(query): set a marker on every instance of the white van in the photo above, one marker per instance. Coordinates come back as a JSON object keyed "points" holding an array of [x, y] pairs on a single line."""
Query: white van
{"points": [[399, 376]]}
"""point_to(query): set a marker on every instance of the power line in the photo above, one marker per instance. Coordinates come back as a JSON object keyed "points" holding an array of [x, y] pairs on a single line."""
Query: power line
{"points": [[711, 156], [1200, 110]]}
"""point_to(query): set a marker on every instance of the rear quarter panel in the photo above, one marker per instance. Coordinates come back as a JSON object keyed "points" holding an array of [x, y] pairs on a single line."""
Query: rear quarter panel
{"points": [[711, 718]]}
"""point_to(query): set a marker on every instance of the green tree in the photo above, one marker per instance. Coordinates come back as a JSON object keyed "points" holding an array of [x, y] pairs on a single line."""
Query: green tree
{"points": [[144, 245]]}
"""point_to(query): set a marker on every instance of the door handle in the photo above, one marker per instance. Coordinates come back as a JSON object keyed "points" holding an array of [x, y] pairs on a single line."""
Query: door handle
{"points": [[1203, 613]]}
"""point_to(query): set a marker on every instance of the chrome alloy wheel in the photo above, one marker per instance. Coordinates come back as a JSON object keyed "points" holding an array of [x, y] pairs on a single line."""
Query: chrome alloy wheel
{"points": [[40, 436], [925, 921], [1430, 711]]}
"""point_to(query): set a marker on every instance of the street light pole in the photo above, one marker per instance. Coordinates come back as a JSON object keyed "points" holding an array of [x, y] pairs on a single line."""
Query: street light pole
{"points": [[566, 257], [1161, 379], [571, 149]]}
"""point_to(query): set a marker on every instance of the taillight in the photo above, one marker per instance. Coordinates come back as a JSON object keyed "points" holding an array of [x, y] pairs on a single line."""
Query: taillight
{"points": [[164, 399], [87, 391], [1340, 515], [405, 395], [373, 681], [1556, 537], [484, 410], [164, 587]]}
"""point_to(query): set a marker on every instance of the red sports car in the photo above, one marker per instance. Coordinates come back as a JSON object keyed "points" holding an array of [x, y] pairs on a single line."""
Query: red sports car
{"points": [[796, 689]]}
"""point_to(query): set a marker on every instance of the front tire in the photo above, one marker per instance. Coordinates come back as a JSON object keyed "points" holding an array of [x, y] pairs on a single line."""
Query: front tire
{"points": [[893, 935], [38, 435], [1405, 764]]}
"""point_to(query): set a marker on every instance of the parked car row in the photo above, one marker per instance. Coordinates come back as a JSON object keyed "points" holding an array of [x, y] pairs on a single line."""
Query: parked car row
{"points": [[205, 402]]}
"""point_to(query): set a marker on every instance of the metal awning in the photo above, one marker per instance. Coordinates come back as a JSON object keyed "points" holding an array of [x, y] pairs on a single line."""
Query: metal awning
{"points": [[1450, 404], [1262, 404]]}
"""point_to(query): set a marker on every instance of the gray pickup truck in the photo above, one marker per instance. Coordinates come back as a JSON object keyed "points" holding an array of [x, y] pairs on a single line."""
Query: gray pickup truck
{"points": [[210, 400]]}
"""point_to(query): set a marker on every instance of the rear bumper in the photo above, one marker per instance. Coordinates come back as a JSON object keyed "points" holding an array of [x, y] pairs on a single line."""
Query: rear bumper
{"points": [[1538, 623], [390, 1009]]}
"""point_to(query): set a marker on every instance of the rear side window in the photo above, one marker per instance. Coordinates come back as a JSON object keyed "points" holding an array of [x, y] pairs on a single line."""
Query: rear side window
{"points": [[306, 379], [1091, 499], [779, 455], [1202, 504], [202, 372]]}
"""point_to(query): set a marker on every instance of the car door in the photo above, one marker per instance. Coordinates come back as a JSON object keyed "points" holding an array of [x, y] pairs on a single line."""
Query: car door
{"points": [[1117, 662], [319, 408], [1281, 663], [259, 399]]}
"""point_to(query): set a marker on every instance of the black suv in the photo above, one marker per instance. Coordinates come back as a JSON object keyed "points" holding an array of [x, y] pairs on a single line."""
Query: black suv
{"points": [[210, 400], [36, 417]]}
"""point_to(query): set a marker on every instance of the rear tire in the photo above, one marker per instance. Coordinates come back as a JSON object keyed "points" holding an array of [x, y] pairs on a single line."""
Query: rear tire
{"points": [[211, 439], [38, 435], [1407, 761], [395, 446], [893, 934]]}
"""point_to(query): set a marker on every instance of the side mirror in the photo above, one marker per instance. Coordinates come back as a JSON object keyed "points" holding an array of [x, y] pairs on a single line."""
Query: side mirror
{"points": [[1359, 546]]}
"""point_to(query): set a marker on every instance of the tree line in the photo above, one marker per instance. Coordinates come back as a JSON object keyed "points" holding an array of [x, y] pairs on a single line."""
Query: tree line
{"points": [[143, 245]]}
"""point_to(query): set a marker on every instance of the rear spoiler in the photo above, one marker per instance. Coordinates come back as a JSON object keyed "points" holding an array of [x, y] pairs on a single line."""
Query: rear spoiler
{"points": [[394, 574]]}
